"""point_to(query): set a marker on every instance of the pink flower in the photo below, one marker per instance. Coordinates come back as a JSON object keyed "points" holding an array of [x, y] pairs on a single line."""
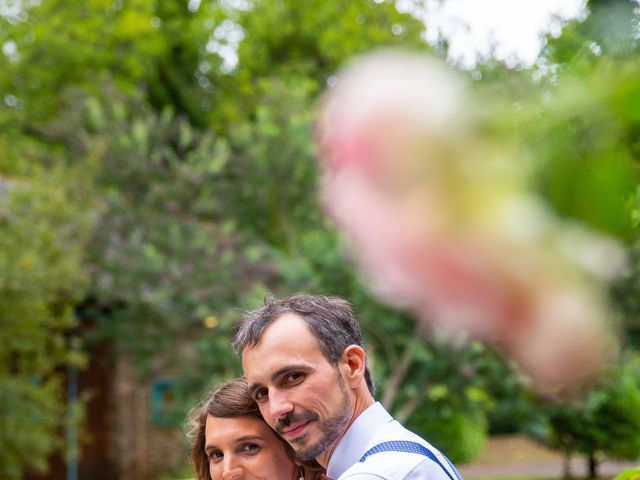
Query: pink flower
{"points": [[444, 222]]}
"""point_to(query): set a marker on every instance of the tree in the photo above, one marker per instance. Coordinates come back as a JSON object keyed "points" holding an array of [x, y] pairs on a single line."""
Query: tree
{"points": [[186, 220], [608, 30], [156, 46], [304, 43], [606, 422], [165, 262], [589, 136], [202, 182], [44, 226], [626, 292]]}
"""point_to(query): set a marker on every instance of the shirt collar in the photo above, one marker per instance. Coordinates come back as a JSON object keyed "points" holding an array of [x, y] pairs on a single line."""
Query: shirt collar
{"points": [[355, 441]]}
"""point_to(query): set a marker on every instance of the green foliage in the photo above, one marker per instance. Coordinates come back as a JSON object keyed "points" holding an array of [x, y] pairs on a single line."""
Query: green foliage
{"points": [[586, 131], [305, 42], [187, 186], [453, 413], [164, 258], [626, 294], [188, 224], [82, 44], [270, 179], [584, 124], [43, 229], [573, 119], [605, 422], [631, 474], [315, 38], [515, 406], [577, 132], [609, 30], [599, 92], [459, 434]]}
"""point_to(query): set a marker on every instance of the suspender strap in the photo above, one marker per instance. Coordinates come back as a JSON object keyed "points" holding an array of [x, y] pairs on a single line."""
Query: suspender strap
{"points": [[408, 447]]}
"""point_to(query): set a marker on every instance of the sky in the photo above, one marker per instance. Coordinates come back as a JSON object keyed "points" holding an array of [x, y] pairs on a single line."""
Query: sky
{"points": [[513, 28]]}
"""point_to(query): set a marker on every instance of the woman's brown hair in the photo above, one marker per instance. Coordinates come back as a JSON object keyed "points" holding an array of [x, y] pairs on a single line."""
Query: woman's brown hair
{"points": [[231, 400]]}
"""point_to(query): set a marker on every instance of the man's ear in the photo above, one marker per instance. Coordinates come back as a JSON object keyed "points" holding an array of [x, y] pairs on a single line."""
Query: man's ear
{"points": [[353, 362]]}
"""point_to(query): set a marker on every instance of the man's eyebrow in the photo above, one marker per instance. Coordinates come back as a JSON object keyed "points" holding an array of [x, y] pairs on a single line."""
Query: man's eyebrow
{"points": [[280, 372], [253, 387]]}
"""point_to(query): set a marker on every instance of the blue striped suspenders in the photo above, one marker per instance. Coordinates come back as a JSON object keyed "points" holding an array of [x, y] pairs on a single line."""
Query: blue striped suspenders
{"points": [[410, 447]]}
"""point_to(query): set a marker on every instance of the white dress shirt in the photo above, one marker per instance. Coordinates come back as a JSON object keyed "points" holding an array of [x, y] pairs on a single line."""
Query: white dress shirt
{"points": [[373, 427]]}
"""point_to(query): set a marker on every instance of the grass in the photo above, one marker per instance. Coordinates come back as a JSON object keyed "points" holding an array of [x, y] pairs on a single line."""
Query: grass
{"points": [[518, 458], [510, 477], [525, 477]]}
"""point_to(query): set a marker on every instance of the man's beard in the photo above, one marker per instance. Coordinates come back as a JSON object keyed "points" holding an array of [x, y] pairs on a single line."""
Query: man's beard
{"points": [[331, 429]]}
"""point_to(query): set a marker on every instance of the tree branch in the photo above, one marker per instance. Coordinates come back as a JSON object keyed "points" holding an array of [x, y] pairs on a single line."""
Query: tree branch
{"points": [[400, 372]]}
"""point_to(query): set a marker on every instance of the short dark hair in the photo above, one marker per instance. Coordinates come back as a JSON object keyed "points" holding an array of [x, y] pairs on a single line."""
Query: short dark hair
{"points": [[330, 319]]}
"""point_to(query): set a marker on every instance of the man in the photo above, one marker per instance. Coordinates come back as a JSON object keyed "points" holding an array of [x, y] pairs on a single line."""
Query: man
{"points": [[306, 368]]}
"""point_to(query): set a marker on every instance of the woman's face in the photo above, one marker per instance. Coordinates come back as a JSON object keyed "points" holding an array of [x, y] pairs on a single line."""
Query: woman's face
{"points": [[245, 448]]}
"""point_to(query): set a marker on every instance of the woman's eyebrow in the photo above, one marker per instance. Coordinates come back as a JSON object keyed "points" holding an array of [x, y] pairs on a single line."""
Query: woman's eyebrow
{"points": [[244, 438], [209, 447]]}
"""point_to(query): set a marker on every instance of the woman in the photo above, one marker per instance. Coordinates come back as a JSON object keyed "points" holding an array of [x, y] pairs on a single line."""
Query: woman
{"points": [[231, 440]]}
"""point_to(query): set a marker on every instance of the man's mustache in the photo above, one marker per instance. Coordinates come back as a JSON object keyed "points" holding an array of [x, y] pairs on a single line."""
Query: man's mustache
{"points": [[291, 418]]}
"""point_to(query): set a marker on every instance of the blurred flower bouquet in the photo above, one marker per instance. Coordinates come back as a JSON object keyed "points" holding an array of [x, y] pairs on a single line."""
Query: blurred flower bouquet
{"points": [[444, 221]]}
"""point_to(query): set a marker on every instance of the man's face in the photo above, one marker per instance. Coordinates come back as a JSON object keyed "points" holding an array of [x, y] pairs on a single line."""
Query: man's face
{"points": [[299, 393]]}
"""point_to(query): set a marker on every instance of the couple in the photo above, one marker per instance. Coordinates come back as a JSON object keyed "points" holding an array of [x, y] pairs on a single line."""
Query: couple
{"points": [[307, 377]]}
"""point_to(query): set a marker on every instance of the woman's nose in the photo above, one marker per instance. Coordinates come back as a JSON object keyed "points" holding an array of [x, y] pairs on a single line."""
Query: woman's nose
{"points": [[231, 469]]}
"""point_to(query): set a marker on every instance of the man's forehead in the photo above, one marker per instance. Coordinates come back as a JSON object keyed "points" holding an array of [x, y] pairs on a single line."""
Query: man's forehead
{"points": [[288, 338], [287, 327]]}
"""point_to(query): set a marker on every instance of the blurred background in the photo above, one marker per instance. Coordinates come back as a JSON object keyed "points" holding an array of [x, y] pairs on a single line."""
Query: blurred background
{"points": [[158, 176]]}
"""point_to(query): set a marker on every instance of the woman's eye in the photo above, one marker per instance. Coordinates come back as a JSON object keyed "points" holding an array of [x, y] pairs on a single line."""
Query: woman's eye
{"points": [[250, 448], [215, 455]]}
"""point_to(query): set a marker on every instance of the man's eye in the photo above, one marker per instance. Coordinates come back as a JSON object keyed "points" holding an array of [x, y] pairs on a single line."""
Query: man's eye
{"points": [[293, 378], [260, 394]]}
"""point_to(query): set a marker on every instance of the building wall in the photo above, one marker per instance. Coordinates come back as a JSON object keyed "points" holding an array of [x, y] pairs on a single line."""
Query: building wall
{"points": [[141, 450], [119, 441]]}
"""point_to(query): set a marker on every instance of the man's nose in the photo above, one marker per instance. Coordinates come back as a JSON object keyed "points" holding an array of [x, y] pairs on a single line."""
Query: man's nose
{"points": [[279, 405], [231, 468]]}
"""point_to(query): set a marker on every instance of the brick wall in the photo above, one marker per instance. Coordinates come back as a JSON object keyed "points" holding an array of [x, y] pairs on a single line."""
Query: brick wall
{"points": [[141, 450]]}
